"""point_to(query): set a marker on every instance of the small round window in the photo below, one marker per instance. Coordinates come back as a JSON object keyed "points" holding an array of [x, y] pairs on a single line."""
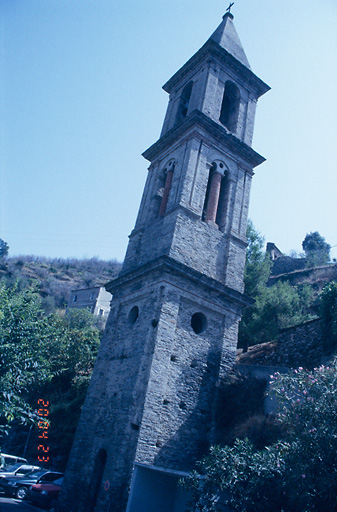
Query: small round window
{"points": [[133, 315], [198, 323]]}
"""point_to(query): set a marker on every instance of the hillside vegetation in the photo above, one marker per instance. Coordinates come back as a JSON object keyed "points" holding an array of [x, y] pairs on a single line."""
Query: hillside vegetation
{"points": [[54, 278]]}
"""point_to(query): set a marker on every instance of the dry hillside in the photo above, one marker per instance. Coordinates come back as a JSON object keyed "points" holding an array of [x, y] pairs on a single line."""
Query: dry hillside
{"points": [[55, 278]]}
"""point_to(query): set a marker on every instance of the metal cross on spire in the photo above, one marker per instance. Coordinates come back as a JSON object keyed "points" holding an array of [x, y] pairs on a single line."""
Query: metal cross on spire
{"points": [[229, 7]]}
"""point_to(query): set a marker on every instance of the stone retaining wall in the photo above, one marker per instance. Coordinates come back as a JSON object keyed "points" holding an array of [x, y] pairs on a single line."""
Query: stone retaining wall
{"points": [[302, 345]]}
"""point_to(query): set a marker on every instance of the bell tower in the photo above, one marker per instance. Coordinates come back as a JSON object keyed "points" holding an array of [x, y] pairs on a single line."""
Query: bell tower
{"points": [[172, 331]]}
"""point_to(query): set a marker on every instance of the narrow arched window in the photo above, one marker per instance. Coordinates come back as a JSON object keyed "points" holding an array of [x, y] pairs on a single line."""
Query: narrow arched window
{"points": [[222, 203], [168, 173], [230, 106], [184, 103], [206, 210]]}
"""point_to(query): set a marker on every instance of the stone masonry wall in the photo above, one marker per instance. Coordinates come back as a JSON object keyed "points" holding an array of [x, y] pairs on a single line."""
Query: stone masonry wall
{"points": [[302, 345], [317, 276], [286, 264]]}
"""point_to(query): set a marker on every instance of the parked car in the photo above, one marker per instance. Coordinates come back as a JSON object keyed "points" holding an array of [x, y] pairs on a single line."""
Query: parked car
{"points": [[9, 460], [18, 487], [45, 494], [17, 470]]}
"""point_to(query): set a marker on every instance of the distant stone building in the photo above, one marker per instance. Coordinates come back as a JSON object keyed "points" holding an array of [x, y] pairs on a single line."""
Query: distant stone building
{"points": [[172, 331], [273, 252], [283, 264], [287, 264], [96, 300]]}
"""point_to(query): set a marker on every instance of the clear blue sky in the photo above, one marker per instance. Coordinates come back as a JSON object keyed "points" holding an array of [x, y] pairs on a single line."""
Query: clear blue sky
{"points": [[81, 99]]}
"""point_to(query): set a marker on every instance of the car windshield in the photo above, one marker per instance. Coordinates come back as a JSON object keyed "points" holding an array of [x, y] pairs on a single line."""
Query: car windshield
{"points": [[10, 469], [36, 474]]}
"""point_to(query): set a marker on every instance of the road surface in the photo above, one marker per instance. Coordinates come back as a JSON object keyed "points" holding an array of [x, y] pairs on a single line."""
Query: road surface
{"points": [[12, 505]]}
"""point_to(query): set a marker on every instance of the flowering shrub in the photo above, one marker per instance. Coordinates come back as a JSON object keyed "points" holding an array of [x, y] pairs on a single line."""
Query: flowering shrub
{"points": [[297, 474]]}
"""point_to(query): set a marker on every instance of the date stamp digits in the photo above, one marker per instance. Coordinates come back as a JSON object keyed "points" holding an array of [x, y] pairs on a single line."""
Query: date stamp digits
{"points": [[43, 425]]}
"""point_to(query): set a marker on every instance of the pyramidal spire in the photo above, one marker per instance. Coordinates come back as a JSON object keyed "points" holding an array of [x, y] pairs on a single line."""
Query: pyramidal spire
{"points": [[226, 36]]}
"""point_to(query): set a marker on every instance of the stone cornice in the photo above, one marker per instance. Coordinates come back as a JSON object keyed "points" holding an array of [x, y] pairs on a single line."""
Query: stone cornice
{"points": [[213, 130], [168, 266], [213, 49]]}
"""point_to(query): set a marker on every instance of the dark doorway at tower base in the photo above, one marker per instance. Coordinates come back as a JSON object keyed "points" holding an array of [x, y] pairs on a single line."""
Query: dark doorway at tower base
{"points": [[155, 489]]}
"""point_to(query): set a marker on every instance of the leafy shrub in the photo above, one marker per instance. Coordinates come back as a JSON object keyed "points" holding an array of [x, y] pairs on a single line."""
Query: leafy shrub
{"points": [[296, 474]]}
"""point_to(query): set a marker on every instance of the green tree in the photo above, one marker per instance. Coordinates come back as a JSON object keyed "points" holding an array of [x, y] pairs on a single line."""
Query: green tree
{"points": [[276, 307], [3, 249], [328, 311], [23, 359], [72, 354], [51, 354], [258, 265], [73, 348], [257, 272], [316, 249], [296, 474]]}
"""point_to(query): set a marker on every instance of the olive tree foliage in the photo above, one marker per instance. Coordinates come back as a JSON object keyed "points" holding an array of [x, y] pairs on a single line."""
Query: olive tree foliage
{"points": [[296, 474], [316, 249]]}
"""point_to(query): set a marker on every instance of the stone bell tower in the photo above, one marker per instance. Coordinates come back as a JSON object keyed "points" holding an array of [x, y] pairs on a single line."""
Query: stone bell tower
{"points": [[172, 330]]}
